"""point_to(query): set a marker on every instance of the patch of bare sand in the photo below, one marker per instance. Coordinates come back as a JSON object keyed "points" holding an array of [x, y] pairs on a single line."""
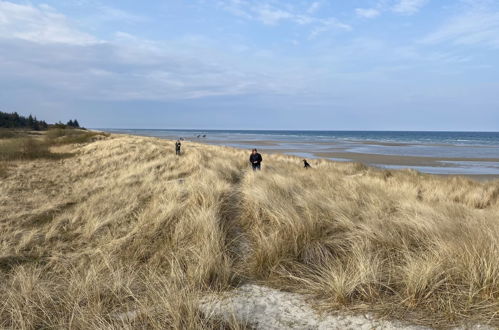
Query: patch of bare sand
{"points": [[266, 308]]}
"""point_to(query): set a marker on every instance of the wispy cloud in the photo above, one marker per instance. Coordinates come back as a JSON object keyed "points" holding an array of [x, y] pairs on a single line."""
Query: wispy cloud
{"points": [[401, 7], [328, 25], [107, 13], [409, 7], [314, 7], [270, 15], [45, 51], [473, 27], [275, 12], [367, 12], [41, 24]]}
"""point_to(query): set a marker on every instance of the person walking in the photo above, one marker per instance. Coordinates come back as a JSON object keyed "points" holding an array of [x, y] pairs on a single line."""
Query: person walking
{"points": [[177, 147], [255, 160], [306, 164]]}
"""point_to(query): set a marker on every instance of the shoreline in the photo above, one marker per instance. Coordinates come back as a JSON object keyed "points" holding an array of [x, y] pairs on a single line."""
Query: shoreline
{"points": [[380, 161], [334, 151]]}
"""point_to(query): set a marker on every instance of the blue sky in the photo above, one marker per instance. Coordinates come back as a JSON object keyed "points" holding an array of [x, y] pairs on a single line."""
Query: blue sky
{"points": [[262, 64]]}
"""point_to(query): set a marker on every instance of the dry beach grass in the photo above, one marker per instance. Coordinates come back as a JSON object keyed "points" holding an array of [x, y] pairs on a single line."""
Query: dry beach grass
{"points": [[126, 234]]}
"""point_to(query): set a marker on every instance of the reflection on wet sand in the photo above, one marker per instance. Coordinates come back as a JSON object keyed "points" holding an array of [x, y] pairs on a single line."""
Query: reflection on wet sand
{"points": [[436, 159]]}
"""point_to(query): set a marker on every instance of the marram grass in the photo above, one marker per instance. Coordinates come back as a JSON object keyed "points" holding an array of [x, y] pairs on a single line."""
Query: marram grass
{"points": [[126, 234]]}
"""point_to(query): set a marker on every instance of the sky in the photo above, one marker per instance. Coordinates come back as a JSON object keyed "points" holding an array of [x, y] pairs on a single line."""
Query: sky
{"points": [[261, 64]]}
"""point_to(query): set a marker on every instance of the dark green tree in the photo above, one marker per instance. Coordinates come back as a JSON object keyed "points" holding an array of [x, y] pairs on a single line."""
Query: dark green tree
{"points": [[14, 120]]}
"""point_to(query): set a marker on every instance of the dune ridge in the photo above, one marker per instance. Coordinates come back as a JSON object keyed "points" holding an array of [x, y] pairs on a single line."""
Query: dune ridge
{"points": [[125, 225]]}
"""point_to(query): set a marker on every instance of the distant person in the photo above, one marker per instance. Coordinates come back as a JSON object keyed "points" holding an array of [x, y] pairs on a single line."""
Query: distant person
{"points": [[306, 164], [177, 147], [255, 160]]}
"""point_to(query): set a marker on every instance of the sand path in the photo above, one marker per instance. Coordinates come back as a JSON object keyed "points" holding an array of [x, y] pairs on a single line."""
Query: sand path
{"points": [[261, 307]]}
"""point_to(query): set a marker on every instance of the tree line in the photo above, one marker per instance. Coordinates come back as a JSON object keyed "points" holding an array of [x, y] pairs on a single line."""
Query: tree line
{"points": [[14, 120]]}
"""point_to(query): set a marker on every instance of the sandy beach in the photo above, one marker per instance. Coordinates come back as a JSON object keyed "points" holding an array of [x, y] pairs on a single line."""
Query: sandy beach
{"points": [[440, 165]]}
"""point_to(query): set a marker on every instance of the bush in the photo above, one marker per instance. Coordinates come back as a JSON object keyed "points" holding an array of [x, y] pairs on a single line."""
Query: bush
{"points": [[7, 133], [71, 136], [58, 125], [54, 133], [24, 148], [18, 147]]}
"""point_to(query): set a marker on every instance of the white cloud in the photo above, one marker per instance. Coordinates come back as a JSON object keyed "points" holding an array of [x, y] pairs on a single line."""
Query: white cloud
{"points": [[314, 7], [123, 70], [471, 28], [114, 14], [41, 49], [40, 24], [409, 7], [328, 25], [271, 16], [367, 12], [403, 7], [273, 13]]}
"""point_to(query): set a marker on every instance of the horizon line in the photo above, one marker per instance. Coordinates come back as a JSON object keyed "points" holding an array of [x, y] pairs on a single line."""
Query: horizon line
{"points": [[291, 130]]}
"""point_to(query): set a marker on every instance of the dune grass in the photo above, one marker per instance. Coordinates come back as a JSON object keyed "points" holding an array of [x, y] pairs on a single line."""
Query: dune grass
{"points": [[21, 145], [7, 133], [73, 136], [3, 170], [10, 133], [126, 234], [24, 148]]}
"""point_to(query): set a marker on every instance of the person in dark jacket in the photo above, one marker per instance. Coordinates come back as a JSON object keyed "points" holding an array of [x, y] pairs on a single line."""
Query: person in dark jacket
{"points": [[255, 160], [177, 147], [306, 164]]}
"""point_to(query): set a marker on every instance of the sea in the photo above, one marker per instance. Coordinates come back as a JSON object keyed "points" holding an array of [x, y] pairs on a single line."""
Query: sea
{"points": [[440, 152]]}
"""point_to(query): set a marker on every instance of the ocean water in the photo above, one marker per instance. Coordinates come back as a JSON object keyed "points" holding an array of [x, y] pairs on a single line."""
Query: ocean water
{"points": [[470, 153], [407, 137]]}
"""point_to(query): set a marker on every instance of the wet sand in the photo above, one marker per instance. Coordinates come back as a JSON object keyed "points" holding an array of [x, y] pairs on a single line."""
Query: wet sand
{"points": [[336, 152]]}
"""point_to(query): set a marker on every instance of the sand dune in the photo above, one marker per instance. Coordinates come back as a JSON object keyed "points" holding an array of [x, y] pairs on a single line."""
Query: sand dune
{"points": [[125, 227]]}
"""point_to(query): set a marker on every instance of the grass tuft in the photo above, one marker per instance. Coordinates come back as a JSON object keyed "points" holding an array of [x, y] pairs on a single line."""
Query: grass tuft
{"points": [[3, 170], [9, 262]]}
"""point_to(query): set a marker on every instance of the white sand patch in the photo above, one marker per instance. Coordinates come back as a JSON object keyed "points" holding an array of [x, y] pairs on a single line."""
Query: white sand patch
{"points": [[265, 308]]}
